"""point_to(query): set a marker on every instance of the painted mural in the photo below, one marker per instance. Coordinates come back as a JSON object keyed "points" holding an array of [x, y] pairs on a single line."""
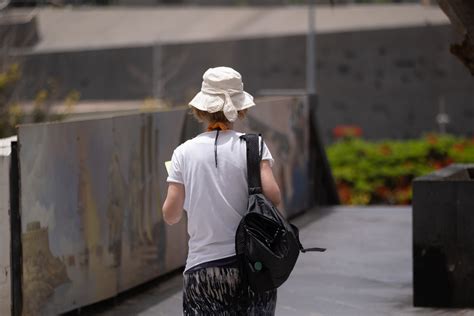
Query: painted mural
{"points": [[284, 125], [91, 196], [91, 209]]}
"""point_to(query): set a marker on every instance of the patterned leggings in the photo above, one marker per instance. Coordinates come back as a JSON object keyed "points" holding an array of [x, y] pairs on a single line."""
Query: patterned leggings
{"points": [[219, 291]]}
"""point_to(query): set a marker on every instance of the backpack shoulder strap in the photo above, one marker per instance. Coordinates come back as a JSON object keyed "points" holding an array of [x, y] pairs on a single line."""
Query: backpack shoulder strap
{"points": [[296, 231], [253, 163]]}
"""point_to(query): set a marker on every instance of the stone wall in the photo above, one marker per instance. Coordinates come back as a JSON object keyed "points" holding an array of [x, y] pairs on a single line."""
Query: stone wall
{"points": [[92, 190], [390, 82], [5, 278], [118, 73]]}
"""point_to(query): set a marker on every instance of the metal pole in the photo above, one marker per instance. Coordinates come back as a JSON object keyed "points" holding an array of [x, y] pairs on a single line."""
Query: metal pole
{"points": [[15, 234], [442, 118], [311, 50]]}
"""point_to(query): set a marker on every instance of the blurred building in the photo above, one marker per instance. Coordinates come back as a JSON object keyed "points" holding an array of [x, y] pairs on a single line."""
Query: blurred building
{"points": [[198, 2], [386, 68]]}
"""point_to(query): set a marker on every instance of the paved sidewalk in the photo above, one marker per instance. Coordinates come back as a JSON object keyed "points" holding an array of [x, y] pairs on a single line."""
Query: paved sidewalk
{"points": [[367, 270]]}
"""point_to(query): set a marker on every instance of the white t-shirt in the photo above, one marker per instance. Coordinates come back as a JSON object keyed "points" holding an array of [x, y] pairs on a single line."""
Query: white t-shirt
{"points": [[216, 198]]}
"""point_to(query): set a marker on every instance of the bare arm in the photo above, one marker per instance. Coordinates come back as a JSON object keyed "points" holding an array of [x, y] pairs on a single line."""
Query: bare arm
{"points": [[174, 202], [269, 186]]}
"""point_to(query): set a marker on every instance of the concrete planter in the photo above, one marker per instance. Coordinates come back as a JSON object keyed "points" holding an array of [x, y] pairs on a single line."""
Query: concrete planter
{"points": [[443, 238]]}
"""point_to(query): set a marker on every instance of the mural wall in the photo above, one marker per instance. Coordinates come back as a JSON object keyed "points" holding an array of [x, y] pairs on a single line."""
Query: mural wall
{"points": [[284, 124], [91, 209], [91, 196]]}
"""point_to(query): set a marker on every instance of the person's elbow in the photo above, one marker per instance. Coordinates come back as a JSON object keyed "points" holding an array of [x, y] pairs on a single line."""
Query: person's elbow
{"points": [[173, 205], [170, 218]]}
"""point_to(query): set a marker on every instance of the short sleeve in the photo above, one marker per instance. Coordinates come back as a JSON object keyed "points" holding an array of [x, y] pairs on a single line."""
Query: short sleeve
{"points": [[176, 170], [267, 155]]}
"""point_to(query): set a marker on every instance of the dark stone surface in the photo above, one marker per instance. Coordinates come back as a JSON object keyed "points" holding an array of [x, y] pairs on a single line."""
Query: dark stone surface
{"points": [[443, 239], [405, 71]]}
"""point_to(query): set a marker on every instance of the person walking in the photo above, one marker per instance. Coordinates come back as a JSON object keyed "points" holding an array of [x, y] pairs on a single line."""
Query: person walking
{"points": [[208, 179]]}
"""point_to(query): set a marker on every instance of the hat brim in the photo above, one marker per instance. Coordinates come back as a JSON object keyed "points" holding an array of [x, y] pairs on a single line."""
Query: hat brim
{"points": [[205, 101]]}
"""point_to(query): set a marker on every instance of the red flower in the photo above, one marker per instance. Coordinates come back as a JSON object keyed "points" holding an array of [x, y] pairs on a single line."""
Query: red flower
{"points": [[385, 150], [345, 192], [437, 165], [432, 139], [402, 195], [383, 192], [449, 161], [459, 147], [341, 131]]}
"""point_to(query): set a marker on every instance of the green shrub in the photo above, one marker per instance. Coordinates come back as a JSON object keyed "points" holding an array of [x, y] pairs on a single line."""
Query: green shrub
{"points": [[12, 113], [381, 172]]}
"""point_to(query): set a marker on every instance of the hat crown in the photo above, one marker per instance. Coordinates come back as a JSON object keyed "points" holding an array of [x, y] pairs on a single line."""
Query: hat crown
{"points": [[224, 78], [222, 90]]}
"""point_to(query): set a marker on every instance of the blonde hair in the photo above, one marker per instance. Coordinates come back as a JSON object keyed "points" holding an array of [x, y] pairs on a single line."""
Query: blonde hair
{"points": [[217, 117]]}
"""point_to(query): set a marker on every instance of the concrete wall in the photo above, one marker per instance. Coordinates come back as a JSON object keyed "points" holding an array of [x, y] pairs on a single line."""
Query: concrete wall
{"points": [[265, 63], [237, 2], [19, 30], [390, 81], [5, 277], [91, 196], [5, 284], [113, 74], [92, 191], [167, 71]]}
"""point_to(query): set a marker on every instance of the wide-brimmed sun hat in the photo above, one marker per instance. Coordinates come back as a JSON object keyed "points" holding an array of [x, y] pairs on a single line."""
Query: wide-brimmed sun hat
{"points": [[222, 90]]}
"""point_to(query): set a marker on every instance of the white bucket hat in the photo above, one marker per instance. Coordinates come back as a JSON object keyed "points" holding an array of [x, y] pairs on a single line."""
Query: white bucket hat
{"points": [[222, 90]]}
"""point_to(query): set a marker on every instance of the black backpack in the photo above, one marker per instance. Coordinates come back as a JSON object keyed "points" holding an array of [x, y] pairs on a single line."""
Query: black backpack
{"points": [[267, 245]]}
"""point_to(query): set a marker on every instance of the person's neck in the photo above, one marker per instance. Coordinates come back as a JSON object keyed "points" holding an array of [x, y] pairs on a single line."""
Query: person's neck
{"points": [[220, 126]]}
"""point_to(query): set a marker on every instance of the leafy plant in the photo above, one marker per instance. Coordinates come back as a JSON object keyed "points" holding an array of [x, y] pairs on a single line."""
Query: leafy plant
{"points": [[382, 172], [12, 113]]}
